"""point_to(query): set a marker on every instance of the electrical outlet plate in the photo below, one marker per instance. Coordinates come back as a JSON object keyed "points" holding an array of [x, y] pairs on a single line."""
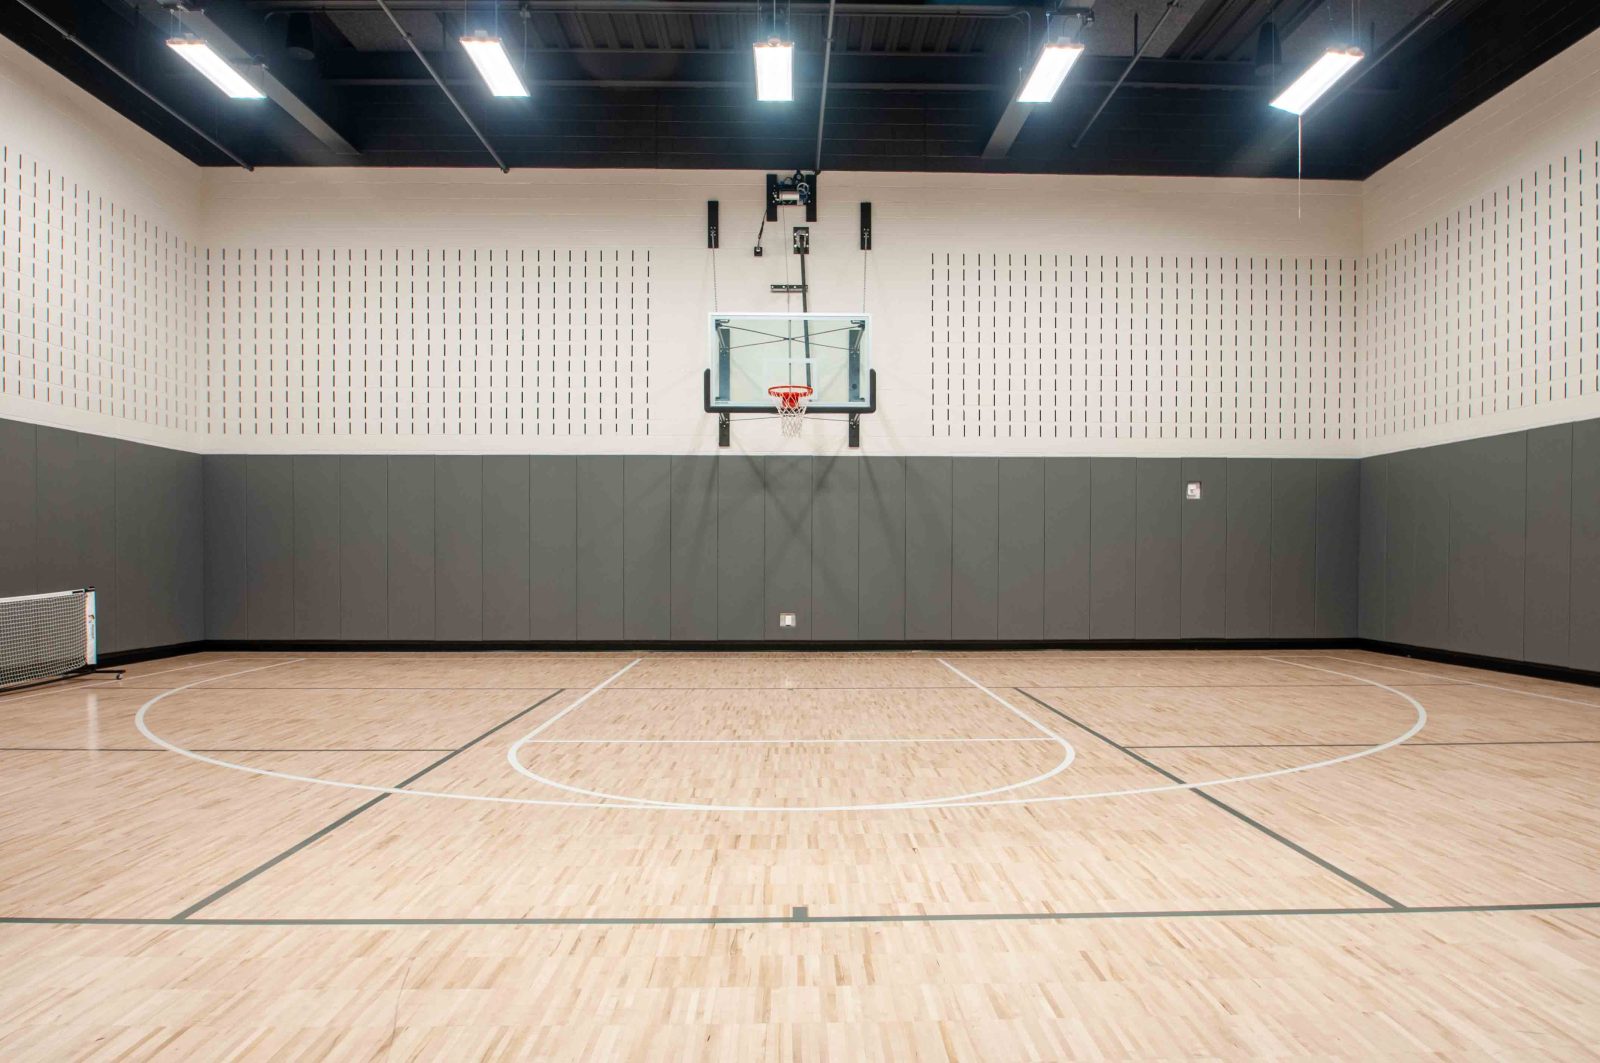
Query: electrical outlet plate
{"points": [[786, 620], [1191, 491]]}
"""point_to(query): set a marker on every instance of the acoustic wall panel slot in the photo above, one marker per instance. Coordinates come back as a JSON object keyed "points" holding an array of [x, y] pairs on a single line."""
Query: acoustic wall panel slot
{"points": [[97, 304], [427, 342], [1142, 348], [1488, 309]]}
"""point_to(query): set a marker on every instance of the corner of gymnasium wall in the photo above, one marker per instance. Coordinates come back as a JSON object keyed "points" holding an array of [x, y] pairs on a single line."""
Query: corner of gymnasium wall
{"points": [[1534, 121], [90, 150], [112, 208], [1502, 200], [59, 124]]}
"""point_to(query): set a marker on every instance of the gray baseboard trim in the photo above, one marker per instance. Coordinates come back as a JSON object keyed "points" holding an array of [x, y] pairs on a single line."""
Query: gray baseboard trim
{"points": [[1556, 672], [149, 653], [1399, 649], [759, 646]]}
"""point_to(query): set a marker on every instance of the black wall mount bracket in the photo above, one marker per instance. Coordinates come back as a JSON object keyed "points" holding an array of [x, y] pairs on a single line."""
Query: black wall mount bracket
{"points": [[799, 189]]}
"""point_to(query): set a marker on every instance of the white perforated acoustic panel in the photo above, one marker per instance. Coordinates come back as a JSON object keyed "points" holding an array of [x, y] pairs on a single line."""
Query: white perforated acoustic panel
{"points": [[97, 304], [1490, 309], [427, 342], [1067, 346]]}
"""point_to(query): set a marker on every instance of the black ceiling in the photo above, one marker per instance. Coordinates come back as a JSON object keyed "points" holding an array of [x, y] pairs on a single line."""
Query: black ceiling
{"points": [[911, 86]]}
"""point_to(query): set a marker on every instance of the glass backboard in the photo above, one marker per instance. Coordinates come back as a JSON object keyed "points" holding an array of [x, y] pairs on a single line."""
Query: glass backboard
{"points": [[751, 352]]}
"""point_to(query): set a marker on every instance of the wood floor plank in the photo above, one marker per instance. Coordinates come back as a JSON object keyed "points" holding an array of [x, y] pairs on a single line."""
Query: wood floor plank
{"points": [[1350, 987], [1251, 957]]}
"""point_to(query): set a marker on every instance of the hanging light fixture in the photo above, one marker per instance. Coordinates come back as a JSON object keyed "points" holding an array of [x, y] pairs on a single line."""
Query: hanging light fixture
{"points": [[1309, 87], [198, 54], [488, 54], [1049, 71], [774, 70]]}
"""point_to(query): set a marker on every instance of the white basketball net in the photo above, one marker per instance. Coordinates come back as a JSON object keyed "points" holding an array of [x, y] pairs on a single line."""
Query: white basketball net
{"points": [[790, 401]]}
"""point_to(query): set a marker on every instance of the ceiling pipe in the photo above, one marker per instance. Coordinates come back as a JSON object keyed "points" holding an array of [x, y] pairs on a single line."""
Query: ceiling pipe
{"points": [[822, 108], [676, 7], [140, 89], [1366, 68], [1171, 4], [411, 42]]}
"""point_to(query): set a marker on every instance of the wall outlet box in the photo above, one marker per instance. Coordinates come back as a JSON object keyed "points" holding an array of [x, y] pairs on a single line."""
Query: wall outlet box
{"points": [[786, 620], [1191, 491]]}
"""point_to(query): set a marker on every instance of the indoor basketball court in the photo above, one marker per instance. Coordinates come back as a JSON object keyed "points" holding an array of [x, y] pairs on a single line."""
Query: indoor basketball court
{"points": [[635, 529]]}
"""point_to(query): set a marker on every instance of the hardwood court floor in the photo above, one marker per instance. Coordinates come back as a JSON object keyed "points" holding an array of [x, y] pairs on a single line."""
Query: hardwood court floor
{"points": [[995, 855]]}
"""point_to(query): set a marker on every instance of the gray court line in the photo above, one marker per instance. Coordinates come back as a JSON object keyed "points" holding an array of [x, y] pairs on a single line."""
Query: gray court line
{"points": [[808, 686], [1241, 816], [1362, 745], [769, 741], [79, 749], [294, 688], [323, 749], [214, 749], [1189, 686], [312, 839], [803, 915], [800, 686]]}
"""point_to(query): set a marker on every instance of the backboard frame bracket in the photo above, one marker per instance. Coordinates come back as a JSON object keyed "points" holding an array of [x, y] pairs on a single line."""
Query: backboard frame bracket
{"points": [[725, 418]]}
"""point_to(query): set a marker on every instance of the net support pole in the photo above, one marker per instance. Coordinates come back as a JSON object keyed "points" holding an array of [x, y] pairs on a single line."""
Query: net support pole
{"points": [[90, 652]]}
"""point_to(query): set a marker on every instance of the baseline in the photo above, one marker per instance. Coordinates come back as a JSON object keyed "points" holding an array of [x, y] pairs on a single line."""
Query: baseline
{"points": [[1457, 681], [141, 721]]}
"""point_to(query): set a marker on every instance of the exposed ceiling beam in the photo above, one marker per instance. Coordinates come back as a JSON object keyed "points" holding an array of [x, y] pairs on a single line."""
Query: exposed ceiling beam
{"points": [[1123, 77], [93, 53], [226, 45], [1015, 115], [663, 7], [639, 68], [416, 49]]}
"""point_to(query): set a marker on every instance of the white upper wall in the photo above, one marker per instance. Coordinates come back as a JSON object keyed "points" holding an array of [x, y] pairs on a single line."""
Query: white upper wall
{"points": [[1483, 252], [1536, 120], [56, 122], [100, 222], [472, 310], [386, 310]]}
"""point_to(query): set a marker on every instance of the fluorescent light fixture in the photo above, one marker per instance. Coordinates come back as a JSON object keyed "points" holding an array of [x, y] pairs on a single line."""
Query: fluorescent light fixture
{"points": [[488, 54], [1048, 72], [1334, 64], [218, 71], [774, 70]]}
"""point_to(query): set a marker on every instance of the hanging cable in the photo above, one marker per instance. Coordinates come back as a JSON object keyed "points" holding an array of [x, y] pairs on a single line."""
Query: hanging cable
{"points": [[822, 108], [1137, 55], [1299, 163], [133, 83]]}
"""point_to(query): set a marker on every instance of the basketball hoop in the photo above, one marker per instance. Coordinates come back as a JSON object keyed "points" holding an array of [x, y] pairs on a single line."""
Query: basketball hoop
{"points": [[790, 400]]}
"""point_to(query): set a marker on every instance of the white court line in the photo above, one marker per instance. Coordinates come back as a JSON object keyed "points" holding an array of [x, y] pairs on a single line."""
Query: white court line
{"points": [[762, 741], [123, 683], [141, 723], [1416, 726], [1068, 755], [624, 670], [1462, 682]]}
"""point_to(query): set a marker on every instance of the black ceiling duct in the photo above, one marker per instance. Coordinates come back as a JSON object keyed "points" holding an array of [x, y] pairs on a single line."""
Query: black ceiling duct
{"points": [[299, 41], [1268, 54]]}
